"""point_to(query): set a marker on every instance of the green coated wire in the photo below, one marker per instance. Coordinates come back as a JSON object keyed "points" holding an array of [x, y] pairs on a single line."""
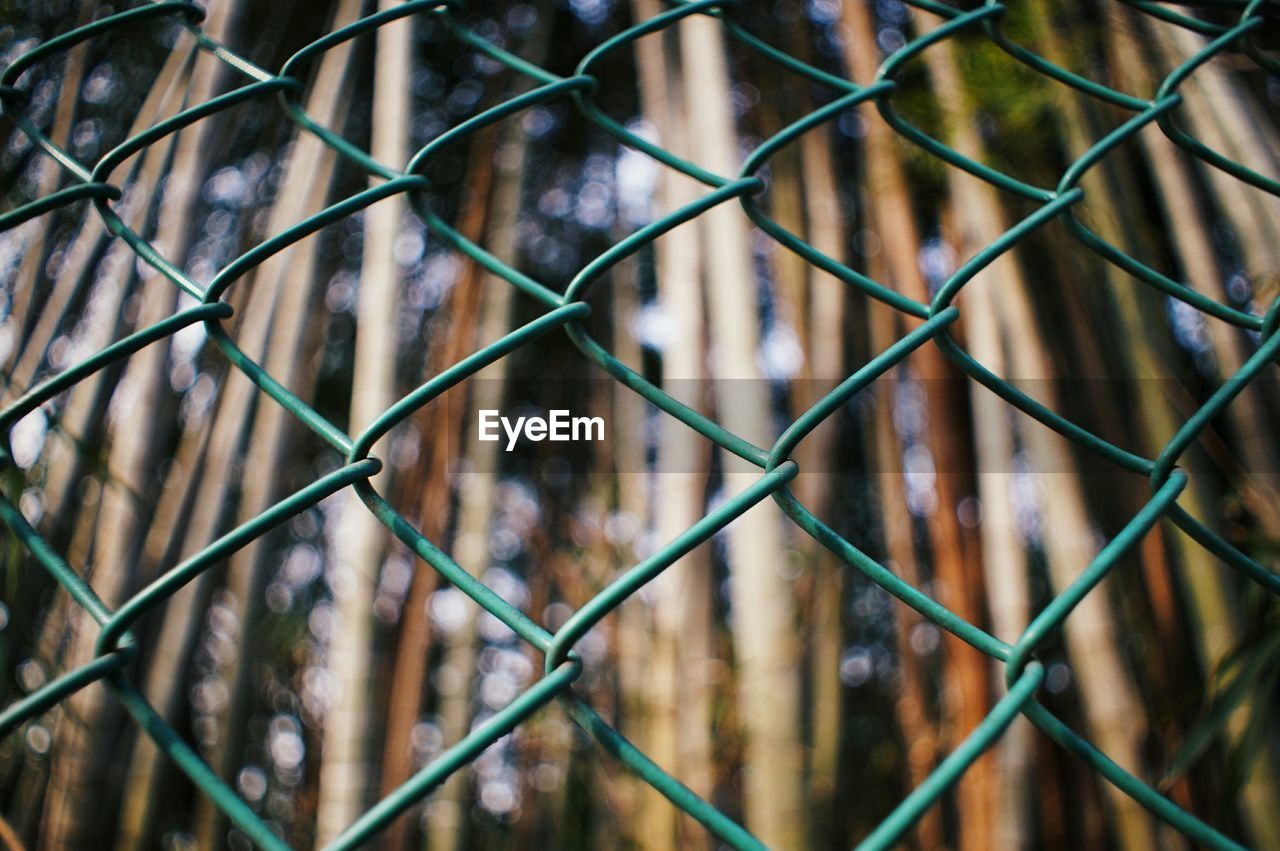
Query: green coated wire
{"points": [[116, 648]]}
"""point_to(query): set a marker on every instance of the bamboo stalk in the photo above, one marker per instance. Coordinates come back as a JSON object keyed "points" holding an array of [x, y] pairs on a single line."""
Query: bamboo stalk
{"points": [[449, 808], [679, 731], [633, 638], [82, 416], [1217, 116], [1092, 635], [957, 568], [911, 709], [1211, 608], [492, 193], [429, 483], [346, 771], [763, 603], [821, 320], [74, 815], [270, 324], [49, 174]]}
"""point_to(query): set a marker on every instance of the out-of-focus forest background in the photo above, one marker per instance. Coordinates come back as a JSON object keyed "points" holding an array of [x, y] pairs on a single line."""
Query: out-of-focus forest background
{"points": [[322, 664]]}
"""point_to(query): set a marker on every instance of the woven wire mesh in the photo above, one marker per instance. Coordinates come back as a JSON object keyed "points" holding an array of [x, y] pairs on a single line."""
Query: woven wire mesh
{"points": [[566, 311]]}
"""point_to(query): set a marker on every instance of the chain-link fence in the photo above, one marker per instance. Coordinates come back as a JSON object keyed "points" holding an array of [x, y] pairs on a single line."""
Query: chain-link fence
{"points": [[566, 311]]}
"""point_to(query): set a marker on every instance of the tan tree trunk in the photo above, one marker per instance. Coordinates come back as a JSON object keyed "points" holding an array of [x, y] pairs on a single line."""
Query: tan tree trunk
{"points": [[274, 315], [449, 808], [679, 733], [83, 751], [66, 456], [1005, 561], [763, 605], [1216, 114], [428, 482], [824, 349], [1217, 626], [346, 776], [911, 709], [484, 307], [635, 640], [1110, 702], [33, 234], [810, 303]]}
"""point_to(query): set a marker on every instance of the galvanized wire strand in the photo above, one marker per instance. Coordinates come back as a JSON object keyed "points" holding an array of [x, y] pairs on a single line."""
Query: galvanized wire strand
{"points": [[567, 310]]}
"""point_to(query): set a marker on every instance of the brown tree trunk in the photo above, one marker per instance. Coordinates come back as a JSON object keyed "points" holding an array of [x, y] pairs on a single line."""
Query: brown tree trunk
{"points": [[1107, 693], [957, 565]]}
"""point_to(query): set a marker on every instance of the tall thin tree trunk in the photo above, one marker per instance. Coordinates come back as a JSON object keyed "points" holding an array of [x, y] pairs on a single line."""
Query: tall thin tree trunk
{"points": [[449, 808], [346, 776], [763, 603], [1092, 636], [75, 816], [1217, 631], [911, 708], [825, 354], [283, 288], [275, 313], [26, 807], [680, 719], [429, 484], [634, 638], [810, 303], [86, 399], [62, 492], [957, 568], [495, 194], [49, 174], [1216, 115], [1005, 561]]}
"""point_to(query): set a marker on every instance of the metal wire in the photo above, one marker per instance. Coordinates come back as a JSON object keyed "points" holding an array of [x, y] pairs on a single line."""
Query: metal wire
{"points": [[1023, 675]]}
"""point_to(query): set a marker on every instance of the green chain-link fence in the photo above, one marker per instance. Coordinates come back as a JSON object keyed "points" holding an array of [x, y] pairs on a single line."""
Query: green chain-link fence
{"points": [[1023, 675]]}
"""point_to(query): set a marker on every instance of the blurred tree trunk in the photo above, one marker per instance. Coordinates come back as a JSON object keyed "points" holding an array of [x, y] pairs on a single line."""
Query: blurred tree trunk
{"points": [[1110, 702], [67, 499], [26, 807], [810, 304], [75, 812], [637, 811], [911, 708], [763, 604], [1005, 561], [495, 198], [821, 321], [112, 277], [449, 808], [1214, 113], [49, 174], [1208, 597], [346, 773], [428, 483], [1004, 552], [274, 312], [957, 563], [634, 637], [1220, 112], [679, 732]]}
